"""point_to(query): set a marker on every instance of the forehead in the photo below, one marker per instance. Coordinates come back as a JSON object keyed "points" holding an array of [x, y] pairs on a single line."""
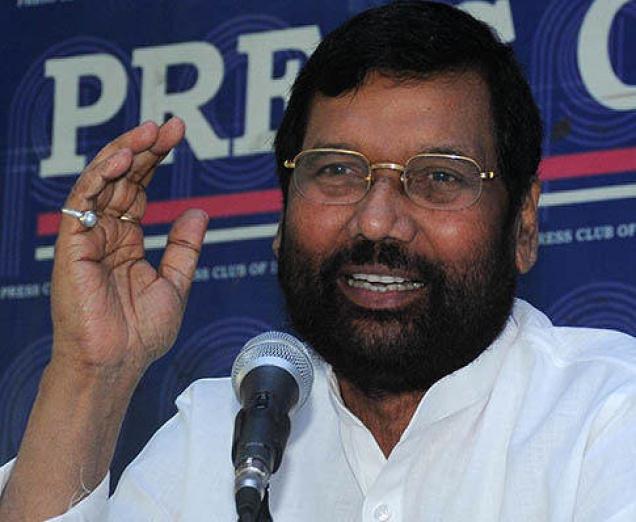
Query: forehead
{"points": [[390, 119]]}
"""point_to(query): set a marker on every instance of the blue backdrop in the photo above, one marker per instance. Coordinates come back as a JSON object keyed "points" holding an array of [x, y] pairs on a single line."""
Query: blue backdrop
{"points": [[75, 74]]}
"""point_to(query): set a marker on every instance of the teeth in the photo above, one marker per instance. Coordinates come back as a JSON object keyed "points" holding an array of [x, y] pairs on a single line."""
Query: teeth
{"points": [[374, 278], [401, 286]]}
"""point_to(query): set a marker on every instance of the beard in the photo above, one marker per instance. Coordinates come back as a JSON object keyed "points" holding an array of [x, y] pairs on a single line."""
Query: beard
{"points": [[458, 314]]}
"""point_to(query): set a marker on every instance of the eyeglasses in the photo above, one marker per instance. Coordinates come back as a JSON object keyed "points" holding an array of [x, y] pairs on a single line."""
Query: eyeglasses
{"points": [[344, 177]]}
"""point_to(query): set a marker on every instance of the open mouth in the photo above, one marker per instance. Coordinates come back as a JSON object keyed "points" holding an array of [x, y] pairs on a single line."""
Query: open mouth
{"points": [[382, 283]]}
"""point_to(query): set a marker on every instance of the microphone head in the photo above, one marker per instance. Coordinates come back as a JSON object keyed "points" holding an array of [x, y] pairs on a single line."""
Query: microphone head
{"points": [[276, 349]]}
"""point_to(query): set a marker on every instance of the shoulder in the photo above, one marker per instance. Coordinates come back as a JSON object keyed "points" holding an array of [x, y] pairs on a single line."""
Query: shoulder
{"points": [[566, 346], [575, 386], [209, 396]]}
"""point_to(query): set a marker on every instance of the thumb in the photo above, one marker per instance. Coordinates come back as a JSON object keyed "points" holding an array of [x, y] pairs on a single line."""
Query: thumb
{"points": [[182, 252]]}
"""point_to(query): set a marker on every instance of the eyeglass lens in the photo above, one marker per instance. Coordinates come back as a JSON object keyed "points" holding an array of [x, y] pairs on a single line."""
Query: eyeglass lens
{"points": [[431, 181]]}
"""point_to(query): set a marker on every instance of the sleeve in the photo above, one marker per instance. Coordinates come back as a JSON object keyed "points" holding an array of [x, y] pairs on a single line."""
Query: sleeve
{"points": [[5, 473], [145, 489], [608, 475], [184, 469], [151, 487], [93, 508]]}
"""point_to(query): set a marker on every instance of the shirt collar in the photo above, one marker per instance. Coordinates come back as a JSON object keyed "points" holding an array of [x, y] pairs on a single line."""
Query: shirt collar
{"points": [[451, 393]]}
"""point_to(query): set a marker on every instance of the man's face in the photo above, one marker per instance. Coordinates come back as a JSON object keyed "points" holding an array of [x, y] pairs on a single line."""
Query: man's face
{"points": [[453, 271]]}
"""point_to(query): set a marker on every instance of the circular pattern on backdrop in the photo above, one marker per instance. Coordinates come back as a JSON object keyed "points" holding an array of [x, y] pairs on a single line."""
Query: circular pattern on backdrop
{"points": [[573, 115], [226, 113], [52, 191], [18, 387], [209, 352], [605, 304], [28, 140]]}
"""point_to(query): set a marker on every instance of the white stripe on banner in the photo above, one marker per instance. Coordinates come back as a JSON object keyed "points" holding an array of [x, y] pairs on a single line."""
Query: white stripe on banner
{"points": [[268, 230], [221, 235], [589, 195]]}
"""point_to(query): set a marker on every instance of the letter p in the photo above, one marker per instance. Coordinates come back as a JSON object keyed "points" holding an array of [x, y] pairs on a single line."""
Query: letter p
{"points": [[69, 116]]}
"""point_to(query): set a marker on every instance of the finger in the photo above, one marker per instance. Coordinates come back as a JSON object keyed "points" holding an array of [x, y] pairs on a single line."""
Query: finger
{"points": [[148, 142], [91, 183], [123, 197], [182, 253], [144, 164], [128, 194], [137, 139], [136, 210]]}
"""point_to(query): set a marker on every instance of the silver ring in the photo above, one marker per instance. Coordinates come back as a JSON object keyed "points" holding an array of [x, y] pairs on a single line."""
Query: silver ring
{"points": [[88, 218]]}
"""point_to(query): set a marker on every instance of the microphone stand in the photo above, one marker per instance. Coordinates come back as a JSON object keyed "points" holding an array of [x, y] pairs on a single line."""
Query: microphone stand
{"points": [[263, 514]]}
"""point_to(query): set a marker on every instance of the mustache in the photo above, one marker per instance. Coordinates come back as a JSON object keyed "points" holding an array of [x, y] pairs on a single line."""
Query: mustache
{"points": [[387, 253]]}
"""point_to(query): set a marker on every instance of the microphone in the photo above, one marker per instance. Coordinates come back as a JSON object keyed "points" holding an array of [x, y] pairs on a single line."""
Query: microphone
{"points": [[272, 377]]}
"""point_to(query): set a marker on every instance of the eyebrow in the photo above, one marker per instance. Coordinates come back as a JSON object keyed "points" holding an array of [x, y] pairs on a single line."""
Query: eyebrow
{"points": [[331, 145], [421, 150]]}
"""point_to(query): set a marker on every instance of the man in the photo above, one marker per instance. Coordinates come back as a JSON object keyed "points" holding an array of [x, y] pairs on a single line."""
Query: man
{"points": [[414, 144]]}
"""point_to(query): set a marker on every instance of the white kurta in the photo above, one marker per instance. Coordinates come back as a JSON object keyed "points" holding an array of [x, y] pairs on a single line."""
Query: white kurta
{"points": [[541, 427]]}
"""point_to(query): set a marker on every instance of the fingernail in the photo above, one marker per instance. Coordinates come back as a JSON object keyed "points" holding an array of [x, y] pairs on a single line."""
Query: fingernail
{"points": [[204, 215], [148, 123], [174, 118]]}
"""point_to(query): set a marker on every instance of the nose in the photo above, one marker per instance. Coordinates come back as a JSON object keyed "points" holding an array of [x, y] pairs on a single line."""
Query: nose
{"points": [[384, 213]]}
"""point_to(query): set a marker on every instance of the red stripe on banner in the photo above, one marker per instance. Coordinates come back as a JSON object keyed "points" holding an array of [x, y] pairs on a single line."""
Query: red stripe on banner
{"points": [[588, 164], [552, 168], [243, 203]]}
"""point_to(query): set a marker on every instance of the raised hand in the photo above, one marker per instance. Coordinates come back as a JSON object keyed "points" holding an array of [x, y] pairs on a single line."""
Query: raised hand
{"points": [[111, 309], [113, 314]]}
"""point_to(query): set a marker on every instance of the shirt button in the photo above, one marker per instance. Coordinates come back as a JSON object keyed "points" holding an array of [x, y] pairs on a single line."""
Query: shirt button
{"points": [[381, 513]]}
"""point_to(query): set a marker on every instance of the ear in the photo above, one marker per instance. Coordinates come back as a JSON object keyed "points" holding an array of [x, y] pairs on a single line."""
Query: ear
{"points": [[277, 238], [527, 230]]}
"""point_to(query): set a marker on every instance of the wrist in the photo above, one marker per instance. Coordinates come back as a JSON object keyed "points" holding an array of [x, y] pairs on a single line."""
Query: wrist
{"points": [[89, 383], [97, 364]]}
